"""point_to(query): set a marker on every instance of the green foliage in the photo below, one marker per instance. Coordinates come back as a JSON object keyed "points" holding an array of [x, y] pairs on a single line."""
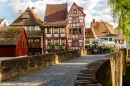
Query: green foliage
{"points": [[120, 11], [128, 60], [126, 78], [113, 48], [12, 32], [57, 48]]}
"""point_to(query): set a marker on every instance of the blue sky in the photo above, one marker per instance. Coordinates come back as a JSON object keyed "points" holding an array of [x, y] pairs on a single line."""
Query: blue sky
{"points": [[94, 9]]}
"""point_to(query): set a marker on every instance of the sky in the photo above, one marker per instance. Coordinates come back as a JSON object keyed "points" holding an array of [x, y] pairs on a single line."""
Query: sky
{"points": [[94, 9]]}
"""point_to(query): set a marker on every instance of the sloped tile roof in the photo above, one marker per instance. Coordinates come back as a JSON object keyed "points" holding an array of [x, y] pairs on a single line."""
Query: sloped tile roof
{"points": [[33, 19], [10, 36], [51, 12], [55, 24], [34, 34], [90, 33], [120, 35], [1, 20], [103, 29]]}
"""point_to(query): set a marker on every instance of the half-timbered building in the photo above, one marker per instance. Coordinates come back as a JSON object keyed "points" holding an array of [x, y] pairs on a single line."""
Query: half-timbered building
{"points": [[13, 42], [55, 32], [76, 27], [34, 29]]}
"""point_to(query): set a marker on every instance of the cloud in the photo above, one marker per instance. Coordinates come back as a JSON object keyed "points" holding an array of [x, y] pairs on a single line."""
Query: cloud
{"points": [[94, 9], [4, 1]]}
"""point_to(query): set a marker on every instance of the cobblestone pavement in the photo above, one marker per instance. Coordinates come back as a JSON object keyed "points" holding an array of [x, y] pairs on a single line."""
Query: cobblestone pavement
{"points": [[62, 74]]}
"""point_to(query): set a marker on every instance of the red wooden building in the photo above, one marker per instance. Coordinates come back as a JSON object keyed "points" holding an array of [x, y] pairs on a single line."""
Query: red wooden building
{"points": [[34, 29], [13, 42], [76, 30]]}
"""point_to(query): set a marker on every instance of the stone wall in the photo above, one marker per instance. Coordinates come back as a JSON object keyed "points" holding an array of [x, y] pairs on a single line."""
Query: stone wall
{"points": [[107, 71], [15, 67]]}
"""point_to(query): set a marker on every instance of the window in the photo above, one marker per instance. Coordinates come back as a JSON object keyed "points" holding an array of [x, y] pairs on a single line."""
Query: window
{"points": [[75, 31], [37, 53], [54, 20], [58, 12], [32, 28], [36, 40], [62, 30], [25, 19], [115, 41], [48, 41], [75, 20], [4, 23], [120, 41], [62, 41], [48, 30], [22, 44], [75, 43], [30, 40], [74, 11], [27, 28], [106, 38], [55, 30], [79, 30], [110, 39], [69, 31], [56, 41]]}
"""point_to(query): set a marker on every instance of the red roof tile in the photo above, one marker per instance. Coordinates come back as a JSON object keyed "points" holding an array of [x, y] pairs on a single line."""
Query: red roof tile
{"points": [[103, 29], [51, 12], [1, 20], [90, 33]]}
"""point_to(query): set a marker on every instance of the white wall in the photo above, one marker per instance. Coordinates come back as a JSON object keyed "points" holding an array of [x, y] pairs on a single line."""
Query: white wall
{"points": [[2, 24], [120, 45]]}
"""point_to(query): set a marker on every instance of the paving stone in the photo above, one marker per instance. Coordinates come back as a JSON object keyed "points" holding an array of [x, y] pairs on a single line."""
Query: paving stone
{"points": [[62, 74]]}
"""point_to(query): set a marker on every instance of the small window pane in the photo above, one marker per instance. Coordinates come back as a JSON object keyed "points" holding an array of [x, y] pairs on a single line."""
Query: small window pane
{"points": [[75, 31], [69, 31], [75, 11], [75, 43]]}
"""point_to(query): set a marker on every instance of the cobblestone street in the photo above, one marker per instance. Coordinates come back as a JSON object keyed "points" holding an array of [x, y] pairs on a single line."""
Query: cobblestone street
{"points": [[62, 74]]}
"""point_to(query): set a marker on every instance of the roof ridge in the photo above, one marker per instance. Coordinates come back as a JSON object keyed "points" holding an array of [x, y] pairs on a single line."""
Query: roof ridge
{"points": [[106, 26]]}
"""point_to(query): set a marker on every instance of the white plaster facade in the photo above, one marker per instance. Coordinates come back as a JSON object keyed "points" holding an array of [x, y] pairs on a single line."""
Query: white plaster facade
{"points": [[4, 23]]}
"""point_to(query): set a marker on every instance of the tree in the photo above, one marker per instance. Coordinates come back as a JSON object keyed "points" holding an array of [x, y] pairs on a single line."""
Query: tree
{"points": [[120, 11]]}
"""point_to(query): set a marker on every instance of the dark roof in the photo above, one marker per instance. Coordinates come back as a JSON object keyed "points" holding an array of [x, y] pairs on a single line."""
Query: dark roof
{"points": [[1, 20], [90, 33], [34, 34], [33, 19], [120, 35], [55, 24], [51, 12], [103, 29], [10, 36]]}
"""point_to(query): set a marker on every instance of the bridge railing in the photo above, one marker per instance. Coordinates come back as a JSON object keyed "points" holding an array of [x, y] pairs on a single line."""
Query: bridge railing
{"points": [[107, 71]]}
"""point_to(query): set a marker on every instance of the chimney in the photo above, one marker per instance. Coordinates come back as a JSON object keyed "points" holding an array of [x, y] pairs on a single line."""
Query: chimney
{"points": [[19, 12], [93, 21], [33, 9]]}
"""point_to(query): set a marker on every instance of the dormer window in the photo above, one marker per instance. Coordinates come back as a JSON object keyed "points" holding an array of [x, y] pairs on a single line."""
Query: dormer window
{"points": [[54, 20], [74, 11], [25, 19], [58, 12]]}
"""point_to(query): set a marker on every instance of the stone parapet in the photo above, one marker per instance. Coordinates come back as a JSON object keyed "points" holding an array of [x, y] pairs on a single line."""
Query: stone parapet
{"points": [[107, 71], [11, 68]]}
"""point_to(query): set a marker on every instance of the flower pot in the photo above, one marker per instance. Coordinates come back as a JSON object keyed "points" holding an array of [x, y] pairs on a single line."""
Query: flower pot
{"points": [[95, 51]]}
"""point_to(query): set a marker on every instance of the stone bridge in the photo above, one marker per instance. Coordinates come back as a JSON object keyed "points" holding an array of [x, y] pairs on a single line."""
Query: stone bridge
{"points": [[71, 68]]}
